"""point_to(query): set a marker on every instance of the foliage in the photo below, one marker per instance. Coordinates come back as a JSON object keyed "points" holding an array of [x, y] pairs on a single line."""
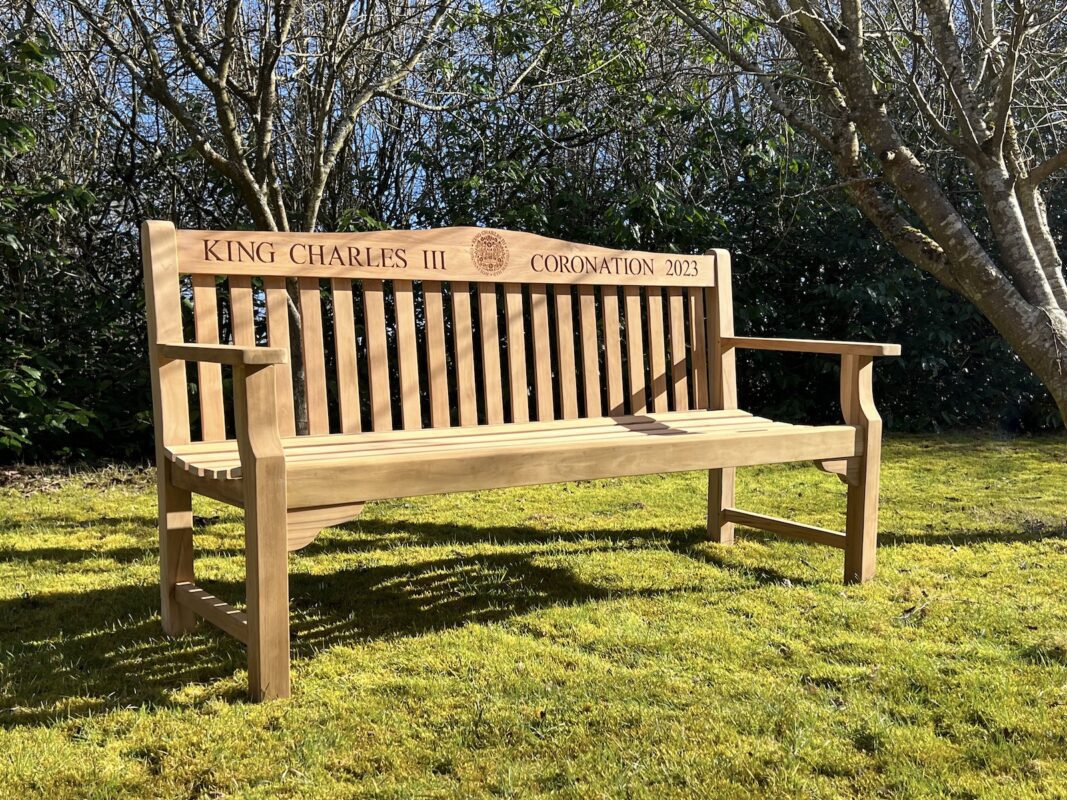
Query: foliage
{"points": [[805, 263], [30, 410], [618, 137], [577, 641]]}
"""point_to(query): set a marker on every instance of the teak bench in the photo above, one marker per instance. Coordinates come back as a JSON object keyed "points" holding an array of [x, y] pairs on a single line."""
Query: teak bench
{"points": [[447, 360]]}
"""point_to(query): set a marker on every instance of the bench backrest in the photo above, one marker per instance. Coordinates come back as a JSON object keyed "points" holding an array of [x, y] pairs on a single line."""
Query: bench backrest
{"points": [[435, 328]]}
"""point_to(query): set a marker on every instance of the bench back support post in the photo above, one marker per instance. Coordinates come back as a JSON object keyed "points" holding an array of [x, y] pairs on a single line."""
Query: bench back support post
{"points": [[170, 393], [722, 372], [170, 413]]}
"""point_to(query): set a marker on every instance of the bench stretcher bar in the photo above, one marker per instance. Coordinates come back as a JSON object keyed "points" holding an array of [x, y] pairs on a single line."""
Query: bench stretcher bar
{"points": [[784, 527], [217, 612]]}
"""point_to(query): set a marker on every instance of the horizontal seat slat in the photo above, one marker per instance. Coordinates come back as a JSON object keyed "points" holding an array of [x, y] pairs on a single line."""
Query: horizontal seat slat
{"points": [[294, 450], [446, 470], [481, 430], [415, 450]]}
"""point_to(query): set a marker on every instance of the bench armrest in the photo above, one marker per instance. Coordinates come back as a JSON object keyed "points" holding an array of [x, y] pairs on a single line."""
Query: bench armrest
{"points": [[223, 353], [813, 346], [255, 405]]}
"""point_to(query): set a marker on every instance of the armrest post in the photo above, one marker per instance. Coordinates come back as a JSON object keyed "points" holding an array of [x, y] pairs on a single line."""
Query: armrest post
{"points": [[857, 391], [861, 516], [267, 572]]}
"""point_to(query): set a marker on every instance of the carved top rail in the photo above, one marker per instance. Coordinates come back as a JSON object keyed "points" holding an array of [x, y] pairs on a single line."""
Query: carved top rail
{"points": [[442, 254]]}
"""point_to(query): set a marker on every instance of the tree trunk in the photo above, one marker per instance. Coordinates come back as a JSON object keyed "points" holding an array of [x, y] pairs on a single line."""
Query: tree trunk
{"points": [[1038, 336]]}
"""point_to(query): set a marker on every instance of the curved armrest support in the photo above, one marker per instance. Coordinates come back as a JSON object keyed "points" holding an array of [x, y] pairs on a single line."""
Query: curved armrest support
{"points": [[223, 353], [813, 346], [255, 406]]}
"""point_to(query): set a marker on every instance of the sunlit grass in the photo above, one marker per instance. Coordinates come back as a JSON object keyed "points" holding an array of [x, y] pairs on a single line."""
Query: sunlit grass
{"points": [[579, 640]]}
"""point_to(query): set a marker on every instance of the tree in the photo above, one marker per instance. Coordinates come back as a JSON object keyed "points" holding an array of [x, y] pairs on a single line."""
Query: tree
{"points": [[944, 120], [275, 96]]}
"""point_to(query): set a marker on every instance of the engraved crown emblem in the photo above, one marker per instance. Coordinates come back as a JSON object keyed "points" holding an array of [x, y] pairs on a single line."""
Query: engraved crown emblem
{"points": [[489, 252]]}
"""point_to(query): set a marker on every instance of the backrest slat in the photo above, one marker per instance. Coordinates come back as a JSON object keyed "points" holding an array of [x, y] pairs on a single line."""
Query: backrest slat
{"points": [[242, 311], [520, 393], [278, 336], [656, 346], [635, 349], [491, 375], [314, 355], [463, 338], [609, 307], [590, 350], [344, 335], [699, 347], [209, 376], [436, 361], [542, 350], [377, 355], [568, 367], [680, 387], [407, 351]]}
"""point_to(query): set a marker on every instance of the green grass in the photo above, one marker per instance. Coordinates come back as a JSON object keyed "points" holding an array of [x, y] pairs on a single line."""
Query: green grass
{"points": [[574, 640]]}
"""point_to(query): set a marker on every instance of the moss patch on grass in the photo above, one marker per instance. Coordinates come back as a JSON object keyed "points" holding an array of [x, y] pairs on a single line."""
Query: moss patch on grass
{"points": [[579, 640]]}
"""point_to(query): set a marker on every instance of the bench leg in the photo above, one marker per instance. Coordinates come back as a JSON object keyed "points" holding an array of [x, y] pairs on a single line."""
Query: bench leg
{"points": [[861, 520], [267, 583], [720, 496], [175, 551]]}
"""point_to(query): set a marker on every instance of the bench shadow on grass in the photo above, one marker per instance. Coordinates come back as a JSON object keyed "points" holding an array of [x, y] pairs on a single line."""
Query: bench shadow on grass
{"points": [[68, 654], [80, 652]]}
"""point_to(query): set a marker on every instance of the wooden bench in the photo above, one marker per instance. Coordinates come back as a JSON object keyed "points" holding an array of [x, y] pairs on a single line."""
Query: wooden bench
{"points": [[448, 360]]}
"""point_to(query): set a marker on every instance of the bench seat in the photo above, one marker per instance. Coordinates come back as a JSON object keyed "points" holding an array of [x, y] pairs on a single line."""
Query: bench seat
{"points": [[339, 468]]}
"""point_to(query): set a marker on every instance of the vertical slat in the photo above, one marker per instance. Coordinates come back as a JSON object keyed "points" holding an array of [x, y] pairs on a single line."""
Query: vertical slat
{"points": [[209, 376], [491, 375], [436, 362], [590, 354], [408, 353], [542, 349], [679, 383], [314, 355], [242, 311], [612, 348], [278, 336], [463, 335], [377, 355], [635, 350], [520, 393], [656, 346], [568, 371], [700, 353], [344, 334]]}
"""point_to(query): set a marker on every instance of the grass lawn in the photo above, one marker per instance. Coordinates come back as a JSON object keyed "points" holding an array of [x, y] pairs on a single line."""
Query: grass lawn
{"points": [[577, 640]]}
